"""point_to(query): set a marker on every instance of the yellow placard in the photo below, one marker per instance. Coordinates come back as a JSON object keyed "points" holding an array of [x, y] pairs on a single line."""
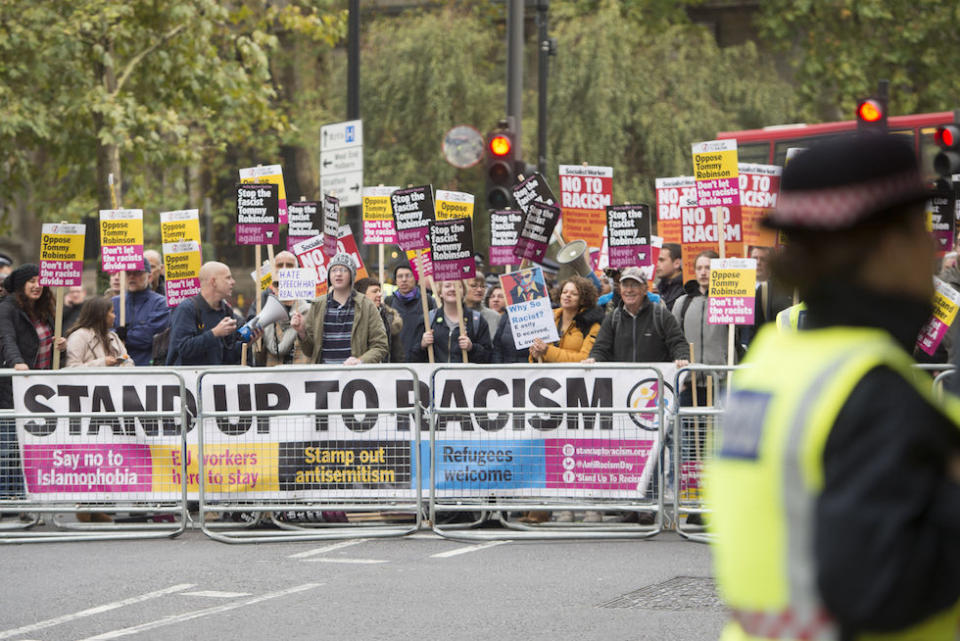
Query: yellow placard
{"points": [[272, 179], [453, 204], [944, 309], [245, 467], [739, 283], [377, 208], [710, 165], [182, 265], [68, 247], [114, 233], [176, 231]]}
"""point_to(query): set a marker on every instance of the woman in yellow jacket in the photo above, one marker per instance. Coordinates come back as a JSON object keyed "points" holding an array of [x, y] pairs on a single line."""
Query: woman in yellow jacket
{"points": [[578, 321]]}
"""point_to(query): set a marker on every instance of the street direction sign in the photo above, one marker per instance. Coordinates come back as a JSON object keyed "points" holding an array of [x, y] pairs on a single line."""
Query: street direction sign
{"points": [[341, 161]]}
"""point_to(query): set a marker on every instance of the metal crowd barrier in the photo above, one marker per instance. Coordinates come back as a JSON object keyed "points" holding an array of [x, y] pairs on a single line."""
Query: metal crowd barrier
{"points": [[555, 473], [694, 427], [56, 451], [303, 472]]}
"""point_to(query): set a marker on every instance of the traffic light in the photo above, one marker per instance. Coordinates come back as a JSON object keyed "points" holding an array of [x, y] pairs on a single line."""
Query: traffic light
{"points": [[500, 154], [872, 115], [947, 162]]}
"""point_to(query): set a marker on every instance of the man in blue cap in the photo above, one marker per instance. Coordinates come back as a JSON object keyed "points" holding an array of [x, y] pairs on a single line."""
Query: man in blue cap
{"points": [[146, 314], [836, 485]]}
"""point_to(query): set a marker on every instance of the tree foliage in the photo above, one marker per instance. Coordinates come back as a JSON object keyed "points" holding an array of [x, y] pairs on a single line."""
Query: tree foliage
{"points": [[839, 49]]}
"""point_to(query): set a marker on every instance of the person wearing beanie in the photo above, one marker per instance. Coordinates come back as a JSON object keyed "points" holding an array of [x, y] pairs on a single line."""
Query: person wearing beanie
{"points": [[835, 486], [343, 326], [147, 315], [406, 301], [26, 342]]}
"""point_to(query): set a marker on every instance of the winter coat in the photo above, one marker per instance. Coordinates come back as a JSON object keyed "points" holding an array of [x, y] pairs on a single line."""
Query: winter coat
{"points": [[445, 348], [709, 341], [411, 312], [504, 349], [575, 343], [147, 315], [18, 343], [670, 290], [84, 349], [368, 340], [652, 336]]}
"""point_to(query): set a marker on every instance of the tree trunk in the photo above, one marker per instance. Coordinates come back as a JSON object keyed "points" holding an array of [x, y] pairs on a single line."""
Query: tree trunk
{"points": [[108, 155]]}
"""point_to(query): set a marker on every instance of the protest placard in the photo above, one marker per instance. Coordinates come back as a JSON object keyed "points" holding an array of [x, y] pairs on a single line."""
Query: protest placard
{"points": [[421, 267], [310, 254], [759, 192], [941, 220], [61, 254], [946, 302], [528, 307], [733, 291], [673, 194], [453, 204], [305, 220], [585, 193], [505, 227], [378, 224], [181, 262], [269, 174], [537, 229], [628, 236], [265, 278], [715, 222], [257, 217], [331, 224], [532, 189], [296, 284], [413, 213], [650, 271], [452, 249], [180, 225], [121, 239]]}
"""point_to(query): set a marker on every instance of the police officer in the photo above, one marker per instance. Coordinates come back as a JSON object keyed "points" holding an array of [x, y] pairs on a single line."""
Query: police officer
{"points": [[836, 489]]}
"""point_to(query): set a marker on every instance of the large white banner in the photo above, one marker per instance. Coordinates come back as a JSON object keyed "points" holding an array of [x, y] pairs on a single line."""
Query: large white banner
{"points": [[488, 449]]}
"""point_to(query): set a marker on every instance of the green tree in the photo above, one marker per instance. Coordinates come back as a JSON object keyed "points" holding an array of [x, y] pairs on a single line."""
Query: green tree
{"points": [[839, 49]]}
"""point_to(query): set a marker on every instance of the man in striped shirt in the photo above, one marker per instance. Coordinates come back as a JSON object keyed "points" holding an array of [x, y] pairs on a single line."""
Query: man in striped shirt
{"points": [[343, 326]]}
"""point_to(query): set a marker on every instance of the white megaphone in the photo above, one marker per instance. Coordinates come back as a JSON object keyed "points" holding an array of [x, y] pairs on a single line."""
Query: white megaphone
{"points": [[272, 312]]}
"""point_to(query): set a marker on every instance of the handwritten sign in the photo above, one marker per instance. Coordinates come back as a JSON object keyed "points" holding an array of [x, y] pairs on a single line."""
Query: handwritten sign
{"points": [[295, 284]]}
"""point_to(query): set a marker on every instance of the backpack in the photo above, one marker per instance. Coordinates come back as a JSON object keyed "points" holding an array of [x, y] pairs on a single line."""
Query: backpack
{"points": [[658, 312], [161, 340]]}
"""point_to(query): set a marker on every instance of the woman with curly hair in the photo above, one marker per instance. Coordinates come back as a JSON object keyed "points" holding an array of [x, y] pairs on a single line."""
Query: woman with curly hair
{"points": [[90, 343], [578, 320]]}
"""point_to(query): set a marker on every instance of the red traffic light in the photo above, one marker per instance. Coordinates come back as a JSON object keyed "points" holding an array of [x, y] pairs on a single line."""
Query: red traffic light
{"points": [[870, 111], [500, 145], [947, 136]]}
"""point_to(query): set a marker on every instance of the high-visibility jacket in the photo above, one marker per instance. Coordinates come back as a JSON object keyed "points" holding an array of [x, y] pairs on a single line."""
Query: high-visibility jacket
{"points": [[764, 482], [791, 319]]}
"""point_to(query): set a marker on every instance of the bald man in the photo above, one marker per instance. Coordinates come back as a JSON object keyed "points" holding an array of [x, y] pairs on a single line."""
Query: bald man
{"points": [[203, 330]]}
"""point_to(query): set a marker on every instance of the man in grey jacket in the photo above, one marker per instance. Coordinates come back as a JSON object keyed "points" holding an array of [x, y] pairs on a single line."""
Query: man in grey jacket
{"points": [[639, 331]]}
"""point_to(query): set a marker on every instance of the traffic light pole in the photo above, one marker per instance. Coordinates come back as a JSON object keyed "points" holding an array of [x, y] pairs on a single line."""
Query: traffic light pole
{"points": [[515, 71], [545, 48]]}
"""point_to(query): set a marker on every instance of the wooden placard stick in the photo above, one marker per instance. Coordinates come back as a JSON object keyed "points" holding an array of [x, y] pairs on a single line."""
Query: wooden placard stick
{"points": [[463, 329], [123, 273], [693, 376], [423, 300], [259, 293], [731, 328]]}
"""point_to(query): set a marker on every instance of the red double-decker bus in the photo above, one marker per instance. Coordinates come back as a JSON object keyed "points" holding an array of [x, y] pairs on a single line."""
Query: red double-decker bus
{"points": [[769, 145]]}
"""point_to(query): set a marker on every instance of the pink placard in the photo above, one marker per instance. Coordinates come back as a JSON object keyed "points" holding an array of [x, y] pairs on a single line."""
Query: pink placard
{"points": [[597, 464], [93, 467]]}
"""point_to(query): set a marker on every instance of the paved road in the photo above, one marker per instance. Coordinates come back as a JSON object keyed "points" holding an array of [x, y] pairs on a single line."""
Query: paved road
{"points": [[419, 587]]}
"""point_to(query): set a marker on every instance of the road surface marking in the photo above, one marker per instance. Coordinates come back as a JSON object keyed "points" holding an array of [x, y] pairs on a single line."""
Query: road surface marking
{"points": [[66, 618], [357, 561], [327, 548], [196, 614], [466, 550], [214, 594]]}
